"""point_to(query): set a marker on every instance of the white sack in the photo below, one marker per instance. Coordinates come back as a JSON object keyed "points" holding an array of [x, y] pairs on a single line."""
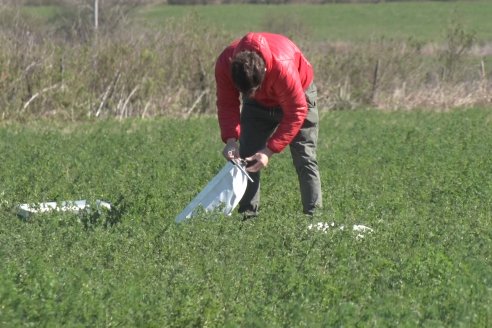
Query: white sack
{"points": [[225, 189]]}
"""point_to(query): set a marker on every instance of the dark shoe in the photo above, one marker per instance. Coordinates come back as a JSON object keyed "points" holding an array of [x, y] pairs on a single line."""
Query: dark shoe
{"points": [[249, 215], [314, 211], [315, 214]]}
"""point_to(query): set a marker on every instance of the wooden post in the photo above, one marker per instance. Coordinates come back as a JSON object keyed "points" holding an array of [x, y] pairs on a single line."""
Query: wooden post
{"points": [[375, 81], [96, 14], [482, 66]]}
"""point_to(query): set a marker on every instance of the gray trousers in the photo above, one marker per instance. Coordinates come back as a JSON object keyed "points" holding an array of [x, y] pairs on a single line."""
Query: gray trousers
{"points": [[257, 125]]}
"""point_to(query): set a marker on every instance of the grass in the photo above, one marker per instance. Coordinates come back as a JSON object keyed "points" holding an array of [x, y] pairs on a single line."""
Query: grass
{"points": [[43, 12], [421, 180], [422, 21]]}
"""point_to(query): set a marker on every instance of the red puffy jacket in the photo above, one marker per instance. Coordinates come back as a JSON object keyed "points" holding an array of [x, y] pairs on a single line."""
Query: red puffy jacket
{"points": [[288, 74]]}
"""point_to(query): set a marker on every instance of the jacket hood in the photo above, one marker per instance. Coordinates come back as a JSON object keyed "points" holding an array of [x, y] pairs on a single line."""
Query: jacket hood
{"points": [[257, 43]]}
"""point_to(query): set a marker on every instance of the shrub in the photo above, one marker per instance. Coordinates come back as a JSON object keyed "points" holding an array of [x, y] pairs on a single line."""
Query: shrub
{"points": [[68, 71]]}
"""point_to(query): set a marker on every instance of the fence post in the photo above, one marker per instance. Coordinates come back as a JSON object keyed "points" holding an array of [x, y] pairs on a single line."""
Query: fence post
{"points": [[96, 14], [375, 78]]}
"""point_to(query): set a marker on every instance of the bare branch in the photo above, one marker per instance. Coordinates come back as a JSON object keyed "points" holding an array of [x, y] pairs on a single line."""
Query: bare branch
{"points": [[37, 94]]}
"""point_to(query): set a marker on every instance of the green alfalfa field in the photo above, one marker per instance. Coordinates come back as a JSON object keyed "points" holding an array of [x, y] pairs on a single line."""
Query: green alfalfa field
{"points": [[339, 22], [421, 180], [419, 20]]}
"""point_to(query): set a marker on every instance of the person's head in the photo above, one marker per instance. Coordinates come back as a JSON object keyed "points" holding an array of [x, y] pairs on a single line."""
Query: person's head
{"points": [[248, 71]]}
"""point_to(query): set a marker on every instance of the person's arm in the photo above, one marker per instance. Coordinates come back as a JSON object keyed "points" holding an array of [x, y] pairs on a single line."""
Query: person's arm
{"points": [[292, 100], [228, 103]]}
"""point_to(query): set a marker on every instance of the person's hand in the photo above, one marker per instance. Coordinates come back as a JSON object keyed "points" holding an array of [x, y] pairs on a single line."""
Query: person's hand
{"points": [[260, 160], [231, 149]]}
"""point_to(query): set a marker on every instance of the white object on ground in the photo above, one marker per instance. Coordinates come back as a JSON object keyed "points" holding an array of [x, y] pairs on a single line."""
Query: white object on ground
{"points": [[322, 226], [361, 229], [26, 210], [225, 189], [325, 226]]}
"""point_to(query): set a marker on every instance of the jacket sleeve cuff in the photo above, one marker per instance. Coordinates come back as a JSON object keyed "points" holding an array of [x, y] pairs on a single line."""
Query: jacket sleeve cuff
{"points": [[227, 137], [274, 147]]}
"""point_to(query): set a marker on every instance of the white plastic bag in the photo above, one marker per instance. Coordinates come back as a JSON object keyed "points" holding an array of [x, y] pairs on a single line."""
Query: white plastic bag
{"points": [[225, 189]]}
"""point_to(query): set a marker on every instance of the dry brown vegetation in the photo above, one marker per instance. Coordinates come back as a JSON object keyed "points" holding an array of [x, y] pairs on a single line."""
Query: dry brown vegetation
{"points": [[69, 71]]}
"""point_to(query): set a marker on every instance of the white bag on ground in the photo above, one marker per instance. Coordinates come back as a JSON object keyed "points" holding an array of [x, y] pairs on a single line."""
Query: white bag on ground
{"points": [[225, 189]]}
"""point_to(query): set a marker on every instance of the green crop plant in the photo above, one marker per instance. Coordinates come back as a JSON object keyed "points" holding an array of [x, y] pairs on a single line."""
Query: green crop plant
{"points": [[421, 180]]}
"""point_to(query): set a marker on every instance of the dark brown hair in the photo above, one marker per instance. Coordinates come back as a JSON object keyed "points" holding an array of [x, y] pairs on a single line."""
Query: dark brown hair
{"points": [[248, 71]]}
